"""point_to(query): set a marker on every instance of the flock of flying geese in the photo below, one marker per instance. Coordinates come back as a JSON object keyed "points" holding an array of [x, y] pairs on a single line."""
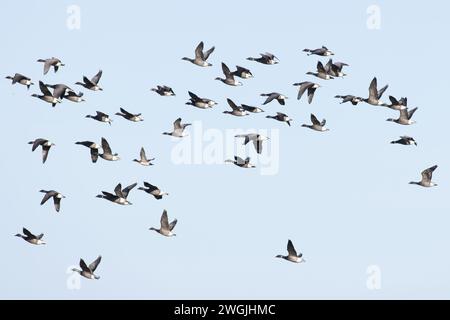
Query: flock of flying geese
{"points": [[119, 195]]}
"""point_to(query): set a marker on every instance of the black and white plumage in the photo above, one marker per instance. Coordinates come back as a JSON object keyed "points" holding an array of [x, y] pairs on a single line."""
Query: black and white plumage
{"points": [[153, 190], [335, 68], [101, 117], [427, 175], [350, 98], [92, 84], [202, 103], [20, 78], [243, 73], [178, 129], [130, 116], [274, 96], [93, 147], [321, 72], [306, 85], [404, 117], [164, 91], [375, 94], [46, 95], [107, 152], [281, 117], [143, 159], [45, 144], [88, 271], [201, 56], [31, 238], [256, 138], [405, 140], [292, 255], [51, 62], [266, 58], [57, 196], [166, 228], [323, 51], [316, 124], [235, 110], [242, 163], [229, 77]]}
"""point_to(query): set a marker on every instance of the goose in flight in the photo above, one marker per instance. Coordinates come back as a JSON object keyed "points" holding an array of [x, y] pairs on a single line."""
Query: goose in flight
{"points": [[20, 78], [256, 138], [57, 196], [251, 109], [178, 129], [51, 62], [120, 195], [100, 116], [46, 95], [266, 58], [31, 238], [107, 153], [153, 190], [350, 98], [236, 111], [303, 86], [201, 56], [94, 149], [229, 77], [274, 96], [166, 227], [61, 91], [45, 144], [238, 161], [202, 103], [375, 94], [398, 104], [281, 117], [405, 117], [88, 271], [292, 254], [143, 159], [163, 91], [93, 83], [405, 140], [324, 52], [316, 124], [335, 69], [243, 73], [427, 175], [130, 116], [321, 72]]}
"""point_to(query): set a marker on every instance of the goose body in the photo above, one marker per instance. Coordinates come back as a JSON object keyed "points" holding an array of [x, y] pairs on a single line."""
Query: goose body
{"points": [[235, 110], [120, 195], [266, 58], [243, 73], [316, 124], [21, 79], [130, 116], [405, 140], [398, 104], [427, 175], [57, 196], [256, 138], [178, 129], [375, 94], [143, 159], [107, 153], [31, 238], [45, 144], [306, 85], [251, 109], [323, 51], [153, 190], [51, 62], [229, 77], [243, 163], [164, 91], [166, 228], [335, 69], [274, 96], [88, 271], [202, 103], [200, 56], [405, 117], [94, 149], [292, 255], [92, 84], [350, 98], [101, 117], [281, 117], [46, 95], [321, 72]]}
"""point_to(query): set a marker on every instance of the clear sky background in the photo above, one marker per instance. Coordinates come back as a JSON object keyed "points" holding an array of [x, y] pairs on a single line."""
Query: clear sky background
{"points": [[342, 196]]}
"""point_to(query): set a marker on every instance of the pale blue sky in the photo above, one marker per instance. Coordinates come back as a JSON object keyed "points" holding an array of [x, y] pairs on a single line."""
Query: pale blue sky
{"points": [[342, 196]]}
